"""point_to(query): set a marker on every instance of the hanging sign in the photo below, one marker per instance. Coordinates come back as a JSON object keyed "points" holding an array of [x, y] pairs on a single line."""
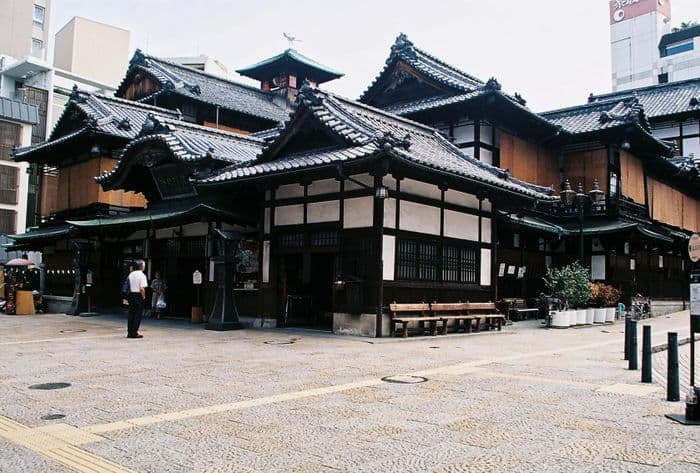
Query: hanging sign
{"points": [[694, 248], [197, 278]]}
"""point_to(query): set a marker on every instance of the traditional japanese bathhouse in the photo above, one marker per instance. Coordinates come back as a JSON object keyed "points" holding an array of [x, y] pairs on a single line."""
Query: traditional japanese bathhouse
{"points": [[202, 98], [362, 207]]}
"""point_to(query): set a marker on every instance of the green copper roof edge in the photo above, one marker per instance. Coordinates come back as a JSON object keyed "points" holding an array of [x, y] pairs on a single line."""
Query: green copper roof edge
{"points": [[292, 54]]}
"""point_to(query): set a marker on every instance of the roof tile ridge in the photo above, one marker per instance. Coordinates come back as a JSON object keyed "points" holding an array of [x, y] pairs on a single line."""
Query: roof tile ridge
{"points": [[210, 130], [425, 128], [134, 104], [581, 107], [448, 66], [648, 88]]}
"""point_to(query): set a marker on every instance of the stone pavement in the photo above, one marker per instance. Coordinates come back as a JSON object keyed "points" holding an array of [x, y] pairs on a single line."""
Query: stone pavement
{"points": [[186, 399]]}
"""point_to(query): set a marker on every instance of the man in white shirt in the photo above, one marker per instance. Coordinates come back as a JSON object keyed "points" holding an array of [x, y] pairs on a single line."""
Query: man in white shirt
{"points": [[137, 294]]}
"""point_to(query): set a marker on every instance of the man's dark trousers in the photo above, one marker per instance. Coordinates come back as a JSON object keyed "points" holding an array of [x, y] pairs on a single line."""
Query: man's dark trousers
{"points": [[135, 313]]}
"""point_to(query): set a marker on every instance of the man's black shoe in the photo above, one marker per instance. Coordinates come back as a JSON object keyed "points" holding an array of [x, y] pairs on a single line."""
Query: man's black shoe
{"points": [[135, 336]]}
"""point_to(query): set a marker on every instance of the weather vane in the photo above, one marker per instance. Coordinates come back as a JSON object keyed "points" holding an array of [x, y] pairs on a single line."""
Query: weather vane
{"points": [[291, 39]]}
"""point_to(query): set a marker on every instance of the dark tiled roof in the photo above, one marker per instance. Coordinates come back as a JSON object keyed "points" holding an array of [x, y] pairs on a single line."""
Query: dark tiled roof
{"points": [[426, 64], [367, 131], [598, 116], [107, 115], [661, 100], [293, 58], [18, 111], [200, 86], [188, 143]]}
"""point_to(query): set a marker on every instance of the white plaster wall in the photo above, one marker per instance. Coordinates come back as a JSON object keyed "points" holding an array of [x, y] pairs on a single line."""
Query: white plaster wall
{"points": [[323, 212], [358, 212], [195, 229], [419, 218], [464, 133], [460, 198], [289, 214], [161, 233], [485, 279], [486, 230], [390, 213], [366, 179], [266, 262], [461, 225], [666, 130], [141, 234], [409, 186], [485, 156], [288, 191], [388, 255], [486, 134], [325, 186]]}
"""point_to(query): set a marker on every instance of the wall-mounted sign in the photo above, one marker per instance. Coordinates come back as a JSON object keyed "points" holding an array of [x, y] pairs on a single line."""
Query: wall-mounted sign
{"points": [[511, 270], [196, 278], [172, 181], [501, 270], [626, 9], [694, 248], [521, 272]]}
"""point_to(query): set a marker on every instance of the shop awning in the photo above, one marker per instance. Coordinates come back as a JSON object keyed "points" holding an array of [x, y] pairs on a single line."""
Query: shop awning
{"points": [[162, 217], [532, 221], [653, 233]]}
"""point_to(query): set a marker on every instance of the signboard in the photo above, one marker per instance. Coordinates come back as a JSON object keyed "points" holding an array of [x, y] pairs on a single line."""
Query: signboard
{"points": [[695, 299], [172, 181], [627, 9], [521, 272], [197, 278], [501, 270], [694, 248]]}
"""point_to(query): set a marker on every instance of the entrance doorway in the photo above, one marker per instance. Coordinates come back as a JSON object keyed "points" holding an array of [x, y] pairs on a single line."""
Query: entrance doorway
{"points": [[307, 290]]}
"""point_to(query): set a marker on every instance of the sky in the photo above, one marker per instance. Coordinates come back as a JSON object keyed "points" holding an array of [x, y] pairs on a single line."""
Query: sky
{"points": [[553, 52]]}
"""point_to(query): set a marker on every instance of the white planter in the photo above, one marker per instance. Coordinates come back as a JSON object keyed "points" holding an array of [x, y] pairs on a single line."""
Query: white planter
{"points": [[572, 317], [590, 314], [560, 319], [599, 316], [610, 314], [581, 317]]}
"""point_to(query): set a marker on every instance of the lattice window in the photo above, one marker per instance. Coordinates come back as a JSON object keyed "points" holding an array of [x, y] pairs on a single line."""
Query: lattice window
{"points": [[8, 221], [8, 184], [291, 240], [9, 138], [424, 260], [407, 257], [328, 238]]}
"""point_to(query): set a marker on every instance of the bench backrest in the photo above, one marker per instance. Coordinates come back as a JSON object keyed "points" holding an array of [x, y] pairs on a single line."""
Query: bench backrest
{"points": [[482, 306], [449, 307], [409, 309]]}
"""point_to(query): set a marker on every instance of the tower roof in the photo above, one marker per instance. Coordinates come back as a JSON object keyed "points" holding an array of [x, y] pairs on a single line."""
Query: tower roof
{"points": [[290, 60]]}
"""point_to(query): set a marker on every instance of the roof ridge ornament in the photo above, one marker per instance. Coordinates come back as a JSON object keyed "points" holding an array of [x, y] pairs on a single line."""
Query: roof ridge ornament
{"points": [[492, 84], [694, 102], [152, 126], [307, 94], [401, 45], [388, 141]]}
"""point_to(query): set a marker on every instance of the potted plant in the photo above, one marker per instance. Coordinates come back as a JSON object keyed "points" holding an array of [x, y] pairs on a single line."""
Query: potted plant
{"points": [[570, 284], [604, 297]]}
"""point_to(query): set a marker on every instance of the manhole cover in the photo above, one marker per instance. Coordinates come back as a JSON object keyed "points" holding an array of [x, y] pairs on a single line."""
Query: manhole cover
{"points": [[433, 347], [77, 330], [404, 379], [52, 417], [291, 341], [48, 386]]}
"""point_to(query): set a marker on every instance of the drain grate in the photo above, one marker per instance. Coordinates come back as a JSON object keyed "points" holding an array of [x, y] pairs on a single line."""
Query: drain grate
{"points": [[52, 416], [49, 386], [77, 330], [291, 341], [405, 379]]}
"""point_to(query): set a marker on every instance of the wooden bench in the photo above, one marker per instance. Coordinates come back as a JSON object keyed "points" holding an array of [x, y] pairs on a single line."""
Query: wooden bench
{"points": [[488, 311], [518, 309], [458, 312], [407, 313]]}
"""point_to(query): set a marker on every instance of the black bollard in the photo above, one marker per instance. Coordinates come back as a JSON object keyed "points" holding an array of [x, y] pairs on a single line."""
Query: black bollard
{"points": [[673, 389], [634, 354], [627, 338], [646, 354]]}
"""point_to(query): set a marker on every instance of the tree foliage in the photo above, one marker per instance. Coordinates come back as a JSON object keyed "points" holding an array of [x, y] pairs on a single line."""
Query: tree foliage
{"points": [[685, 25], [570, 284]]}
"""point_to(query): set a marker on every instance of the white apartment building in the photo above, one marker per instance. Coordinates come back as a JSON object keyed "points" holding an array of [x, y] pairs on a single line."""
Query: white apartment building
{"points": [[645, 50]]}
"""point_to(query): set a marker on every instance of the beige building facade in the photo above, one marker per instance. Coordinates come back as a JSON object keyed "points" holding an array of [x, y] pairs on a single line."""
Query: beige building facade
{"points": [[82, 46], [24, 28]]}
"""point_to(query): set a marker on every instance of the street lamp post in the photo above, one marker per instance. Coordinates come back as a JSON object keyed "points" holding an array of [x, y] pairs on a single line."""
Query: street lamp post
{"points": [[579, 201]]}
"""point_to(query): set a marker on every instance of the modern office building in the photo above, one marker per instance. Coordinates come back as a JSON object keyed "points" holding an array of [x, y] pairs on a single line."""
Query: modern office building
{"points": [[645, 49], [92, 50], [24, 27]]}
